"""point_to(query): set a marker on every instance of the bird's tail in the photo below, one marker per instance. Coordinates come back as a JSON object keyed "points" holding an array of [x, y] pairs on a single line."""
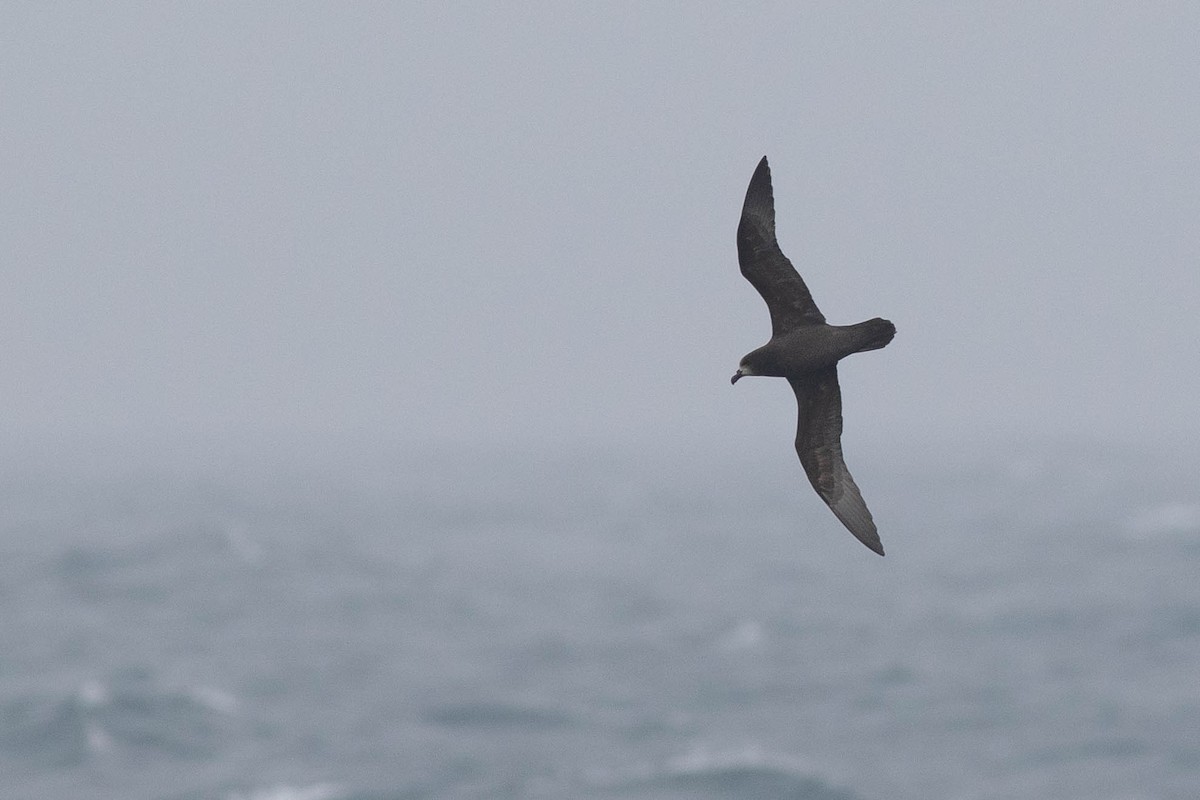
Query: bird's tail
{"points": [[875, 333]]}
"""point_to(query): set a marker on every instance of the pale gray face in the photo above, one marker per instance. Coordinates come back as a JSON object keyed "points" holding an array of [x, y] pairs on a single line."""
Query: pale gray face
{"points": [[743, 370]]}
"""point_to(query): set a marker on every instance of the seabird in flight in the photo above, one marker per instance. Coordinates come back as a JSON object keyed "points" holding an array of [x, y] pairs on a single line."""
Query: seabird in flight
{"points": [[805, 350]]}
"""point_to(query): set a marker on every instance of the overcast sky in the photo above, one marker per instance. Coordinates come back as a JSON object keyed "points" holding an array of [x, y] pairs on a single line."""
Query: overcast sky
{"points": [[515, 222]]}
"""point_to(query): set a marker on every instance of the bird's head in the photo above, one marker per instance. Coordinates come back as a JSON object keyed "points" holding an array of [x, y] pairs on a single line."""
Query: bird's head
{"points": [[744, 369], [763, 361]]}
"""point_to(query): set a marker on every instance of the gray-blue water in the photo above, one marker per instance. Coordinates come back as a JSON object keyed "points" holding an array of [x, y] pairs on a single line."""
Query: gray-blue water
{"points": [[425, 627]]}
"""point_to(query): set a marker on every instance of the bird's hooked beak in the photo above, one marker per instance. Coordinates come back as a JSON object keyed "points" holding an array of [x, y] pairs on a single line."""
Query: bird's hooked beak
{"points": [[736, 375]]}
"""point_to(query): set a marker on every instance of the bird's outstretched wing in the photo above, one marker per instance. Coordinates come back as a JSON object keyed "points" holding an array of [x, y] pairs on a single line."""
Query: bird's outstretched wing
{"points": [[819, 445], [765, 265]]}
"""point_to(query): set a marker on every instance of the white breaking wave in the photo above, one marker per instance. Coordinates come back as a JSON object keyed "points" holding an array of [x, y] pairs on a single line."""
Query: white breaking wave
{"points": [[318, 791]]}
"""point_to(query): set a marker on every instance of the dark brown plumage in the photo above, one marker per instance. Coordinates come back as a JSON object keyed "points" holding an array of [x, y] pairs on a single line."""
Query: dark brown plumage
{"points": [[805, 350]]}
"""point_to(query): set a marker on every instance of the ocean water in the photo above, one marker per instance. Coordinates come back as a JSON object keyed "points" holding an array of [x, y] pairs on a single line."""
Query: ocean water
{"points": [[432, 626]]}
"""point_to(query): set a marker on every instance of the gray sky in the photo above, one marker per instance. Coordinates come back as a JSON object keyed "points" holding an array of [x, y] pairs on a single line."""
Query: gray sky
{"points": [[515, 222]]}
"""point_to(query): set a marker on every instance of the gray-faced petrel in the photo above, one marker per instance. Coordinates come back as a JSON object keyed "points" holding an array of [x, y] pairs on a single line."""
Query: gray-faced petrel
{"points": [[805, 350]]}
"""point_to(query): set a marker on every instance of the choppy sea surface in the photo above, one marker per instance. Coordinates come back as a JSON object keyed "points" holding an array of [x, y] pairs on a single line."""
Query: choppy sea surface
{"points": [[434, 626]]}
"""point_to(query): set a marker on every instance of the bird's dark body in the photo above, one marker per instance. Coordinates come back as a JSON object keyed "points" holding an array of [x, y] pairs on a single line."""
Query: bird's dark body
{"points": [[809, 348], [805, 349]]}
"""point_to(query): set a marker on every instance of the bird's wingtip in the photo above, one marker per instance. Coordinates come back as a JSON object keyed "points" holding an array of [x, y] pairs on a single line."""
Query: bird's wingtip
{"points": [[870, 539], [760, 199], [873, 544], [762, 168]]}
